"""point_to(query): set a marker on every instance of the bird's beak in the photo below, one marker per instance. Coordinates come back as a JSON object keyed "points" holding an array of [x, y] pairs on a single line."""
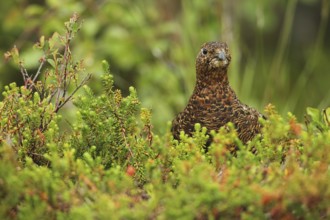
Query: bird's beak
{"points": [[222, 56]]}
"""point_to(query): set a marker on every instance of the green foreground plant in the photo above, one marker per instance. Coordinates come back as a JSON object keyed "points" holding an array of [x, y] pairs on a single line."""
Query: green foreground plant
{"points": [[111, 165]]}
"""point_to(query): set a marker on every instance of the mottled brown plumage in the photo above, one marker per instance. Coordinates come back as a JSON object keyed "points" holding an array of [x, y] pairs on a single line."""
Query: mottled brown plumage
{"points": [[214, 103]]}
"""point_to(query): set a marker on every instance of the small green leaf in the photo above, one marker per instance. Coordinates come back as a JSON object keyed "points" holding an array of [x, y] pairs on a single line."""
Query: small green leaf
{"points": [[314, 114], [105, 66], [15, 54], [326, 116], [51, 62], [53, 40]]}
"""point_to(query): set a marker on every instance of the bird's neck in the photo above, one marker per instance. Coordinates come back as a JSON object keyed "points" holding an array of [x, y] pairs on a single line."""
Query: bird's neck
{"points": [[213, 79]]}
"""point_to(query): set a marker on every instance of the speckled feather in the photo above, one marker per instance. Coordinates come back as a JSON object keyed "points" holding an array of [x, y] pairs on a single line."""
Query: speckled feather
{"points": [[214, 103]]}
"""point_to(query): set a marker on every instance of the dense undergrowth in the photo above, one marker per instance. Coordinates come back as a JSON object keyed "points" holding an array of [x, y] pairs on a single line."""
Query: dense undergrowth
{"points": [[110, 165]]}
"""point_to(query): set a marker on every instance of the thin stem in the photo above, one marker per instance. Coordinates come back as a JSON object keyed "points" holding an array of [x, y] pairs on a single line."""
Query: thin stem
{"points": [[83, 82], [25, 74], [39, 69]]}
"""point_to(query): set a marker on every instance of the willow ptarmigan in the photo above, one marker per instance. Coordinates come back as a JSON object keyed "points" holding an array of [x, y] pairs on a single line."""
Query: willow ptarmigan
{"points": [[214, 103]]}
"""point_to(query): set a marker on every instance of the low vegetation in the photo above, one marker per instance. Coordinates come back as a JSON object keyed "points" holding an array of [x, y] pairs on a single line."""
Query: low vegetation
{"points": [[105, 162]]}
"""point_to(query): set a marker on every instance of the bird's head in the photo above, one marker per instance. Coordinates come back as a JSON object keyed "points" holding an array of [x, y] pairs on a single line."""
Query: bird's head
{"points": [[212, 57]]}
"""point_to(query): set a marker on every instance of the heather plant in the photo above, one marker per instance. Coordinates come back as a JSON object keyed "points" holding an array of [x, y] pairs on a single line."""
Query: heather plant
{"points": [[29, 112], [112, 129], [108, 164]]}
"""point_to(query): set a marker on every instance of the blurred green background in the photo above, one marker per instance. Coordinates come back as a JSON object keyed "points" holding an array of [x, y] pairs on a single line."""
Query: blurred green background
{"points": [[280, 48]]}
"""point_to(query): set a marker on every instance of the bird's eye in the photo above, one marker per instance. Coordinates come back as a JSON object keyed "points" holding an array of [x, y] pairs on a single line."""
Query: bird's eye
{"points": [[204, 51]]}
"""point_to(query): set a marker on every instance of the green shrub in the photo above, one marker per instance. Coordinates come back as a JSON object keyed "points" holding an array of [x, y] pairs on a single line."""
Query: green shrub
{"points": [[109, 164]]}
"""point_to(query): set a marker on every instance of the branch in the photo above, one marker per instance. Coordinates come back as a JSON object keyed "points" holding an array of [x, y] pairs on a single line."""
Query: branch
{"points": [[83, 82], [24, 73], [43, 61], [64, 67]]}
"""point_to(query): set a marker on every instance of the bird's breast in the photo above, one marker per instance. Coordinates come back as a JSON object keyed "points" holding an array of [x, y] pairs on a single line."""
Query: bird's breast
{"points": [[212, 110]]}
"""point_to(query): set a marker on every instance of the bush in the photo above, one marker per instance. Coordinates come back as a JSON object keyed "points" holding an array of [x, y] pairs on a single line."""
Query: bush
{"points": [[109, 164]]}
